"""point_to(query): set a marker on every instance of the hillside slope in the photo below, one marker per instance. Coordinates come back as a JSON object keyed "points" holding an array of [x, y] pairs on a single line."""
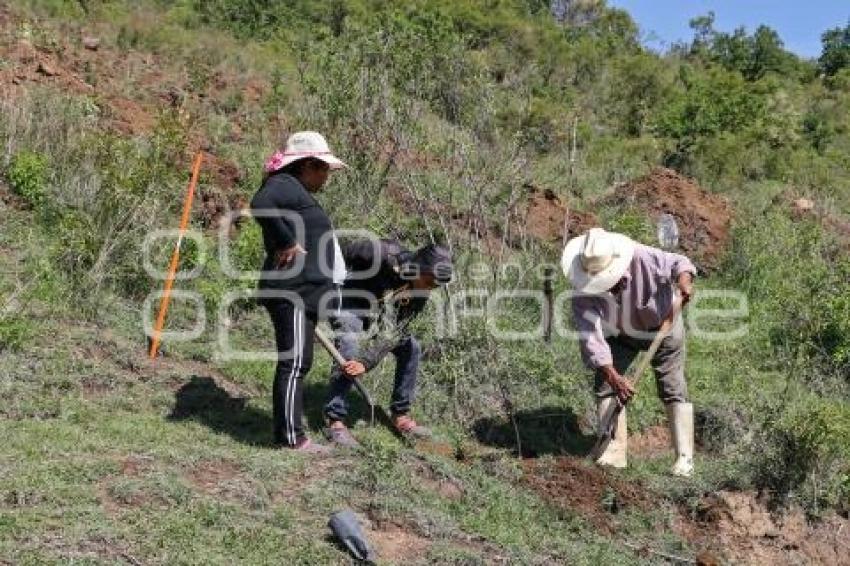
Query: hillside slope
{"points": [[480, 128]]}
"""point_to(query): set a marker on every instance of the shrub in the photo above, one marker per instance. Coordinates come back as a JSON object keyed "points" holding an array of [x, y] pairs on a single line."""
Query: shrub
{"points": [[806, 451], [27, 175], [634, 224], [15, 331], [836, 50], [799, 292]]}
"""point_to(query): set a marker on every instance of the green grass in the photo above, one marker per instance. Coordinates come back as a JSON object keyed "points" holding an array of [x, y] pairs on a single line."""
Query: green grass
{"points": [[111, 457], [93, 468]]}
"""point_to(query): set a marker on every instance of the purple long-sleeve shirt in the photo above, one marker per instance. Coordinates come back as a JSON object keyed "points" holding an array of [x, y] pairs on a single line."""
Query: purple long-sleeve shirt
{"points": [[642, 306]]}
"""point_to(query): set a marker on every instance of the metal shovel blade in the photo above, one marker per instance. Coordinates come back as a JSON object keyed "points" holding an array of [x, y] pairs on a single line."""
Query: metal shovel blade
{"points": [[608, 430]]}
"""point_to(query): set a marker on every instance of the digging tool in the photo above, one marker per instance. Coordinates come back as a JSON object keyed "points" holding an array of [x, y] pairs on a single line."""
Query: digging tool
{"points": [[609, 421], [331, 349]]}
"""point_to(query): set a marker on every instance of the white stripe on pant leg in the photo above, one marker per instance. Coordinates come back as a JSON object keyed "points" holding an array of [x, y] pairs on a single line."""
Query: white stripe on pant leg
{"points": [[288, 388], [296, 367], [299, 345], [290, 401], [289, 431], [298, 371]]}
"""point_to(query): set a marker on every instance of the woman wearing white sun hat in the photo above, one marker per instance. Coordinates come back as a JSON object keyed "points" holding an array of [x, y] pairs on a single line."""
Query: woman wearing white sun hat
{"points": [[303, 266], [624, 290]]}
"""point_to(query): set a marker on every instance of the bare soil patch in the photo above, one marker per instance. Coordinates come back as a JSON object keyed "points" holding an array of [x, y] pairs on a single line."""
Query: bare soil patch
{"points": [[740, 527], [396, 544], [544, 217], [592, 492], [443, 486], [651, 443], [210, 475]]}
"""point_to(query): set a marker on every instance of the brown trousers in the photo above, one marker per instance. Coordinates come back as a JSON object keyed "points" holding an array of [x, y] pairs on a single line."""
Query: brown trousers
{"points": [[668, 364]]}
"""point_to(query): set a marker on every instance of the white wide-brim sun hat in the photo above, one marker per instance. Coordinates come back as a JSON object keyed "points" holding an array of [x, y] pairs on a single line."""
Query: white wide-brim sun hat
{"points": [[594, 262], [302, 145]]}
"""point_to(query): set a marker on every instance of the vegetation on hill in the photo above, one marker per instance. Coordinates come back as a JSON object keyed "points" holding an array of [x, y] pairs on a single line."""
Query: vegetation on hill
{"points": [[452, 114]]}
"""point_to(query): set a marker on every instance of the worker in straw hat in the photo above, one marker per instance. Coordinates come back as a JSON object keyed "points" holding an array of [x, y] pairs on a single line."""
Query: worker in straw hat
{"points": [[303, 266], [623, 292]]}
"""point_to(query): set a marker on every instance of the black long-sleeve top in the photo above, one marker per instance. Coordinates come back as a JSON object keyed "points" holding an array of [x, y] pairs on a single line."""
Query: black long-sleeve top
{"points": [[296, 218], [359, 257]]}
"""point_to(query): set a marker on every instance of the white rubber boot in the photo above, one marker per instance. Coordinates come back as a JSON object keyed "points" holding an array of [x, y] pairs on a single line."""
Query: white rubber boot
{"points": [[680, 417], [615, 453]]}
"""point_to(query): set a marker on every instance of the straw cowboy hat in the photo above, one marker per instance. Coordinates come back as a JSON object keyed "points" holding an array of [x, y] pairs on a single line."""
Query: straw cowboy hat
{"points": [[302, 145], [595, 261]]}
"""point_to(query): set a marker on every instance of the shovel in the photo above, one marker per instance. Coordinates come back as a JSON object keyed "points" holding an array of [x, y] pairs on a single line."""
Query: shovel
{"points": [[609, 420], [331, 349], [668, 239]]}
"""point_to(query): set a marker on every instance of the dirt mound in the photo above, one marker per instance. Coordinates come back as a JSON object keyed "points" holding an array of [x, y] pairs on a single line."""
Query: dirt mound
{"points": [[651, 443], [394, 543], [703, 218], [740, 527], [538, 215], [543, 216], [575, 485]]}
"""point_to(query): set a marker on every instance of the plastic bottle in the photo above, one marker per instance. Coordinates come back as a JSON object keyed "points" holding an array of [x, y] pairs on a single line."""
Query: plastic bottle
{"points": [[668, 232]]}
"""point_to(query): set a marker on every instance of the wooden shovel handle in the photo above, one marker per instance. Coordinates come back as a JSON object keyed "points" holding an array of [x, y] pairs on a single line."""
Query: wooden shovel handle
{"points": [[609, 420], [329, 346], [331, 349], [662, 333]]}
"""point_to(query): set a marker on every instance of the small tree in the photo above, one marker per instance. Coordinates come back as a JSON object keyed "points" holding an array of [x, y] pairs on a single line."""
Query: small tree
{"points": [[836, 51]]}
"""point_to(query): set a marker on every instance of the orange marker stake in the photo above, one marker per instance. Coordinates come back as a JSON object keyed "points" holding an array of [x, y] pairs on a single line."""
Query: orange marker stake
{"points": [[175, 257]]}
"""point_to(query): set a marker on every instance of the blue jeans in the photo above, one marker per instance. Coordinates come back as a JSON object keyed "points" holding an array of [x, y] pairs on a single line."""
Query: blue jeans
{"points": [[407, 351]]}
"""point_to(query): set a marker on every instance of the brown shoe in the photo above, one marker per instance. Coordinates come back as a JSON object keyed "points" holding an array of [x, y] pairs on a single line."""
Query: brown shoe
{"points": [[408, 427]]}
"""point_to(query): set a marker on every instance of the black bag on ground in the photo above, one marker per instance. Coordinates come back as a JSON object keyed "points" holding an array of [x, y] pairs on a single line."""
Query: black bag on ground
{"points": [[346, 528]]}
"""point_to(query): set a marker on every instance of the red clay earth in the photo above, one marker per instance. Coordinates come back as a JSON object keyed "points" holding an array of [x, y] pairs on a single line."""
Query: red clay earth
{"points": [[652, 442], [739, 527], [129, 117], [209, 475], [104, 73], [590, 491], [538, 215], [735, 526], [704, 218], [543, 217], [394, 543]]}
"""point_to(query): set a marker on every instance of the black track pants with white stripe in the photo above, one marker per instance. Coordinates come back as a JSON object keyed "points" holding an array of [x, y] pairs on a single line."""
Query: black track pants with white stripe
{"points": [[293, 330]]}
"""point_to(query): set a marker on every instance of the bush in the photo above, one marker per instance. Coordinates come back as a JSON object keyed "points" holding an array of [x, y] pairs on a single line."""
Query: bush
{"points": [[15, 331], [806, 453], [27, 175], [798, 282], [634, 224]]}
